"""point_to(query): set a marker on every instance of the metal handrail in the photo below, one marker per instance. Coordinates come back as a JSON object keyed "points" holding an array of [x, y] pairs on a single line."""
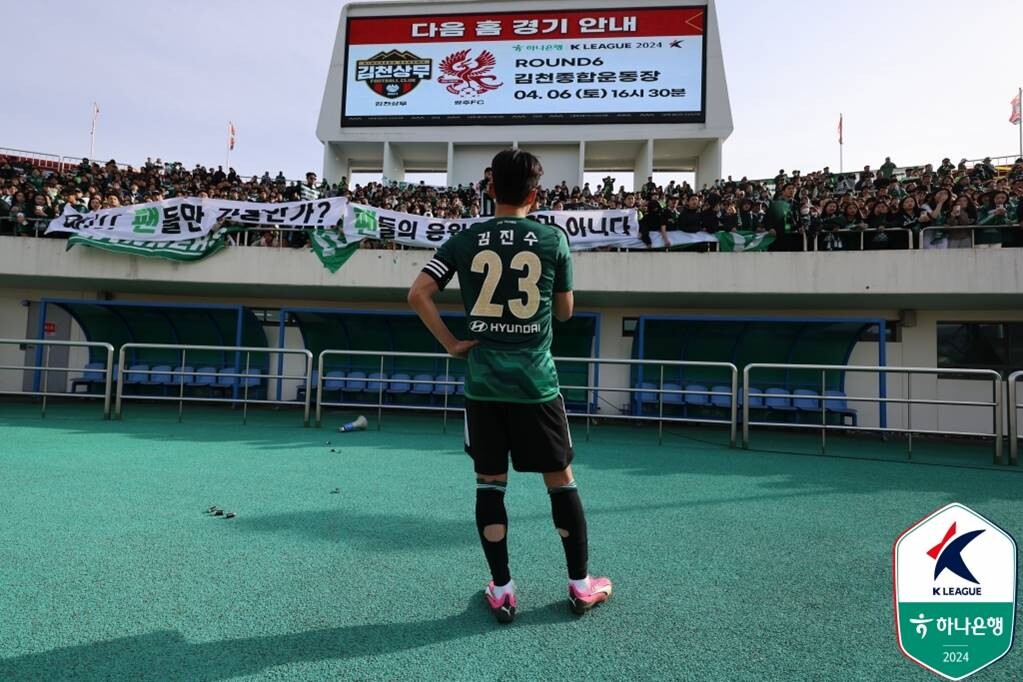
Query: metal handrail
{"points": [[862, 231], [590, 388], [972, 228], [181, 398], [1014, 407], [995, 404], [914, 241], [46, 369]]}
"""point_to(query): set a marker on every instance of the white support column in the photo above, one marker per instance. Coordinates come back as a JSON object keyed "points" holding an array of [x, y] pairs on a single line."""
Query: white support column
{"points": [[394, 167], [335, 164], [644, 166], [708, 166], [582, 163]]}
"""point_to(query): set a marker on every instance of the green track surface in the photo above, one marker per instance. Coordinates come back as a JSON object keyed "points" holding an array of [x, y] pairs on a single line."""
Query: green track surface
{"points": [[767, 564]]}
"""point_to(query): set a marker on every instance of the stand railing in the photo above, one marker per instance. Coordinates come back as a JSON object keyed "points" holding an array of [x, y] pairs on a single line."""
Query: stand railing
{"points": [[592, 389], [43, 369], [995, 404], [239, 393], [1014, 406]]}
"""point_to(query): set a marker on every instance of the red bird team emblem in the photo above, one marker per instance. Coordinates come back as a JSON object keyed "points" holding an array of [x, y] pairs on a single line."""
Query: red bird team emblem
{"points": [[467, 76]]}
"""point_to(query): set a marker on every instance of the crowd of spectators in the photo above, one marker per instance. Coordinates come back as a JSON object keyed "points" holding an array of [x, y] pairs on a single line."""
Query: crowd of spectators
{"points": [[871, 209]]}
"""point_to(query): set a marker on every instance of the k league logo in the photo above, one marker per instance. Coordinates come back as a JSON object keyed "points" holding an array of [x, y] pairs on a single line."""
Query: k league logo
{"points": [[955, 592]]}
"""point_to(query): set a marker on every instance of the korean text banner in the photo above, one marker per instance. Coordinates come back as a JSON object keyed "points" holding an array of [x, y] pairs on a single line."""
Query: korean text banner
{"points": [[181, 219], [641, 65], [585, 230]]}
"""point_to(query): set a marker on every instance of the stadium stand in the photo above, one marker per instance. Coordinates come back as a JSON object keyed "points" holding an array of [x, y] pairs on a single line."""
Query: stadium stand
{"points": [[886, 208]]}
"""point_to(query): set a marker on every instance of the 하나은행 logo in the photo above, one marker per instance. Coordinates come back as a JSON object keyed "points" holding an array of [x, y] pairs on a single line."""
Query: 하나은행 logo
{"points": [[955, 592], [393, 74], [468, 76]]}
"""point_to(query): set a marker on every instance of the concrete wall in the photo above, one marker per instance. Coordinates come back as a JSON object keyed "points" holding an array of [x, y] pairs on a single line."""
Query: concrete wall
{"points": [[943, 279]]}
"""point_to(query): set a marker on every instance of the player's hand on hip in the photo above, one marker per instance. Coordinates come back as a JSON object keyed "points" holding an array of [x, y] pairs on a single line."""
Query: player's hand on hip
{"points": [[460, 349]]}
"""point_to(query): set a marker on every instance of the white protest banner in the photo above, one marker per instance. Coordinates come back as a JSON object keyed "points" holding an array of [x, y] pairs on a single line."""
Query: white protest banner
{"points": [[368, 222], [586, 230], [179, 219], [315, 213], [169, 220]]}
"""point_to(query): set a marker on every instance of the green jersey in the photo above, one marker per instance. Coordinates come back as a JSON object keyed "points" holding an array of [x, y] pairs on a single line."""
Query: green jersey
{"points": [[508, 271]]}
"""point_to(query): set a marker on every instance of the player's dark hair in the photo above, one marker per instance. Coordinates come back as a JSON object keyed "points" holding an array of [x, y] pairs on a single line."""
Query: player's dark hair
{"points": [[516, 174]]}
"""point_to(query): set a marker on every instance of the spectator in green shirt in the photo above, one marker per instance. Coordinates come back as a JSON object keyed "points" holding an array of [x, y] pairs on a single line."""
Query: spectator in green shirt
{"points": [[995, 211], [887, 168]]}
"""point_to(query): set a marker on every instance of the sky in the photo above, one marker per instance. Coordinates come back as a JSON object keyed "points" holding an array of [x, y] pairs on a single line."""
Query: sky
{"points": [[916, 80]]}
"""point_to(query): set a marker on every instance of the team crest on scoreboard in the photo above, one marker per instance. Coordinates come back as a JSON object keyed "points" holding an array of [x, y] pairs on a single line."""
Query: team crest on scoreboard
{"points": [[468, 76], [394, 73]]}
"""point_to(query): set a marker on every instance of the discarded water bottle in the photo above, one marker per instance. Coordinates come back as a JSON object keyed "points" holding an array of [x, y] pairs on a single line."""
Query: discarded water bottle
{"points": [[359, 424]]}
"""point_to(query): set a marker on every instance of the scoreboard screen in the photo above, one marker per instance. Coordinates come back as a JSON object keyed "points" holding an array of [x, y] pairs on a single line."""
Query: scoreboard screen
{"points": [[639, 65]]}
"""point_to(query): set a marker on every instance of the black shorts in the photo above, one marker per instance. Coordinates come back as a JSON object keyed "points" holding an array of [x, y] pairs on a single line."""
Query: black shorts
{"points": [[536, 436]]}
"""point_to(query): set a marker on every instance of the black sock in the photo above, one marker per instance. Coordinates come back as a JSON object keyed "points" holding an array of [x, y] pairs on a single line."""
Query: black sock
{"points": [[490, 511], [569, 520]]}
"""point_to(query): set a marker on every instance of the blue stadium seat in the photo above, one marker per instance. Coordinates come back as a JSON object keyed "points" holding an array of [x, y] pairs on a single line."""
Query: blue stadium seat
{"points": [[375, 383], [446, 388], [778, 400], [251, 378], [203, 378], [92, 373], [136, 374], [671, 398], [697, 399], [157, 376], [226, 383], [355, 382], [756, 402], [422, 384], [722, 401], [806, 402], [460, 386], [187, 373], [400, 383], [836, 404], [334, 382], [647, 394]]}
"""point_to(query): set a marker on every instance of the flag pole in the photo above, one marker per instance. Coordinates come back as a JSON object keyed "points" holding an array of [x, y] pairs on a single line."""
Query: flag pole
{"points": [[92, 134], [841, 144]]}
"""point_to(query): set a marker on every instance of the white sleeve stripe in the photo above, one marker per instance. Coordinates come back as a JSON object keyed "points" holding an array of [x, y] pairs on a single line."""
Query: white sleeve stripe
{"points": [[433, 271], [437, 267]]}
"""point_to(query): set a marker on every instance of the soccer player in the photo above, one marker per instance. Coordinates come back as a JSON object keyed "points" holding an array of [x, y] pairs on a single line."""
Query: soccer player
{"points": [[513, 272]]}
